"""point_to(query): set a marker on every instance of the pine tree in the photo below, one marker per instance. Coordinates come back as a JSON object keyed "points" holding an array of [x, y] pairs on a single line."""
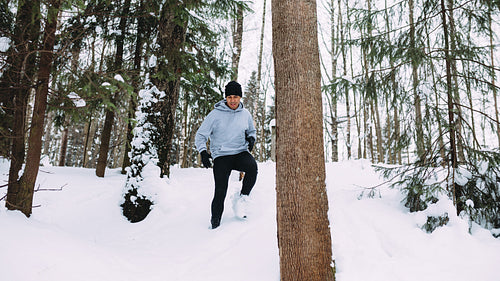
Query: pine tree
{"points": [[137, 203]]}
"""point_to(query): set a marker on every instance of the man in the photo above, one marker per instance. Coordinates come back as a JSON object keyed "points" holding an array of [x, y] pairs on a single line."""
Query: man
{"points": [[232, 137]]}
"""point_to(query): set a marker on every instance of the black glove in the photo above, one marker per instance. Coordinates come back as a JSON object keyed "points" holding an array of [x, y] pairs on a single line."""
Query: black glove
{"points": [[251, 142], [205, 159]]}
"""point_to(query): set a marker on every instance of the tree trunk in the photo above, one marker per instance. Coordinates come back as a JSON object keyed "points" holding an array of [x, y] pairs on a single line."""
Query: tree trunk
{"points": [[454, 75], [237, 40], [110, 112], [28, 179], [454, 189], [259, 82], [139, 43], [90, 131], [304, 239], [493, 80], [16, 85], [469, 86], [171, 37], [64, 141], [346, 88], [47, 133], [378, 131], [392, 101], [416, 96], [185, 135], [102, 161], [333, 54], [436, 105]]}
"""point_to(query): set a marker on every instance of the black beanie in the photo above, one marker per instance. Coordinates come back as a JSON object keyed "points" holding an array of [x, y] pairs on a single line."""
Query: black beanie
{"points": [[233, 88]]}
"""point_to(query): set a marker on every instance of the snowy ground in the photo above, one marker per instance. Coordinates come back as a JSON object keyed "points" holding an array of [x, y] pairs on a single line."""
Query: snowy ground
{"points": [[79, 234]]}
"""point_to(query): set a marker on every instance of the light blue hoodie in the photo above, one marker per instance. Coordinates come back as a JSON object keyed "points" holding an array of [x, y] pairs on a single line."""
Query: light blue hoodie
{"points": [[226, 128]]}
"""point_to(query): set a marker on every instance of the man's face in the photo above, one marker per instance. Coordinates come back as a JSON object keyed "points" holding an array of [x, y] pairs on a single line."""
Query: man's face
{"points": [[233, 101]]}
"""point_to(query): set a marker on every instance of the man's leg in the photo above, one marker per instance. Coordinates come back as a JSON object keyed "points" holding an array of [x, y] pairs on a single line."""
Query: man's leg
{"points": [[246, 163], [221, 170]]}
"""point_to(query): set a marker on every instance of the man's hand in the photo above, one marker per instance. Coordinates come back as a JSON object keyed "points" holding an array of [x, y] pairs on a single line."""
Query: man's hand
{"points": [[205, 159], [251, 143]]}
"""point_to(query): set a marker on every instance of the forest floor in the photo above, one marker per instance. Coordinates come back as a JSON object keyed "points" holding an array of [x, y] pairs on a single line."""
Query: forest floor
{"points": [[78, 232]]}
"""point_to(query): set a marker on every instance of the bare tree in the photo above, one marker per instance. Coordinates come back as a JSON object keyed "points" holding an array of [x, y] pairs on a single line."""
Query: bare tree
{"points": [[304, 239]]}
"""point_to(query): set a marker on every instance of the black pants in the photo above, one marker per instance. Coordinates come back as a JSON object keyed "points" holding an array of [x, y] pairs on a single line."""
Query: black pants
{"points": [[223, 165]]}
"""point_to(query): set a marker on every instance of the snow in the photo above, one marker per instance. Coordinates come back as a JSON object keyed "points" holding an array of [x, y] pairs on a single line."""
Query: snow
{"points": [[4, 44], [77, 100], [119, 78], [152, 61], [78, 233]]}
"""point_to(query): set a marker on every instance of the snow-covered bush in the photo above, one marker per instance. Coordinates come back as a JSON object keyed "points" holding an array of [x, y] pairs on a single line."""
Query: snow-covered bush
{"points": [[474, 188], [480, 186]]}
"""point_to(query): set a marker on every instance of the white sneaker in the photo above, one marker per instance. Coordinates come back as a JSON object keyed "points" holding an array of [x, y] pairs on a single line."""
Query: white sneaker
{"points": [[240, 205]]}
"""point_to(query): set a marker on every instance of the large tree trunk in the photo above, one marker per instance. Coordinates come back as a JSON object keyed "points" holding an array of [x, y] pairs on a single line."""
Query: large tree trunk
{"points": [[24, 197], [304, 239], [171, 37], [15, 87]]}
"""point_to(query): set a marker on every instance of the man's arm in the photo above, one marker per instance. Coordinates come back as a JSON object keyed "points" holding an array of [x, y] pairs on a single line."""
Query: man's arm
{"points": [[203, 134], [250, 132]]}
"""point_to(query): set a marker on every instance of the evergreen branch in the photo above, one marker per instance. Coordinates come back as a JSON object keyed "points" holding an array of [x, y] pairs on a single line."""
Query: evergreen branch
{"points": [[477, 111]]}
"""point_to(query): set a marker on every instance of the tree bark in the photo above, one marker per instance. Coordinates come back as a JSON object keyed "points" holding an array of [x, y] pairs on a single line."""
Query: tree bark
{"points": [[417, 104], [110, 112], [64, 141], [454, 189], [454, 75], [436, 104], [392, 101], [262, 110], [102, 161], [27, 180], [237, 41], [304, 239], [15, 87], [335, 133], [171, 37], [139, 43], [346, 88], [493, 80]]}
